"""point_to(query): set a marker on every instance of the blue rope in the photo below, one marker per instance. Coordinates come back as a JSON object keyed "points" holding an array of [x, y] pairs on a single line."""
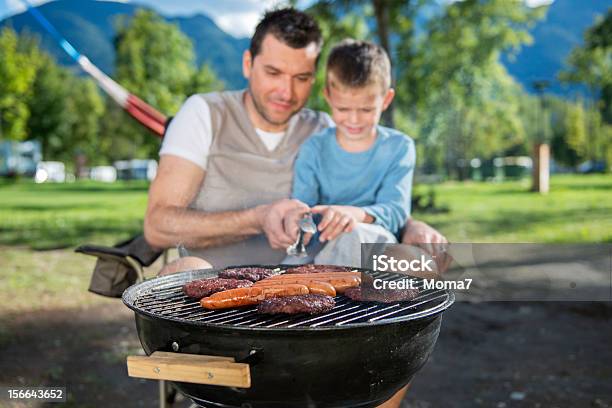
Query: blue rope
{"points": [[51, 30]]}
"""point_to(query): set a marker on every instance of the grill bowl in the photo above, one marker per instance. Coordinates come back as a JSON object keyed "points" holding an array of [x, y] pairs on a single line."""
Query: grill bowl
{"points": [[357, 355]]}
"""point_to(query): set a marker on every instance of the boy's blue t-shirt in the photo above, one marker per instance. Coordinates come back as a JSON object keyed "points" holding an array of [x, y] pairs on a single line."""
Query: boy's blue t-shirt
{"points": [[379, 180]]}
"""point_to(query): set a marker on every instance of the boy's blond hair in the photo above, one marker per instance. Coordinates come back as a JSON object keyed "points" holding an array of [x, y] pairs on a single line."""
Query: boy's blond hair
{"points": [[356, 64]]}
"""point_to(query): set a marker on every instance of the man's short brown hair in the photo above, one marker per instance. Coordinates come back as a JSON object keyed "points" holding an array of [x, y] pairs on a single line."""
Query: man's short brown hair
{"points": [[288, 25], [356, 64]]}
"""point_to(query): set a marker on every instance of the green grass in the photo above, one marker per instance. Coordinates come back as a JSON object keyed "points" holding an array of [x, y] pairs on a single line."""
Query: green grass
{"points": [[32, 280], [46, 216], [577, 209]]}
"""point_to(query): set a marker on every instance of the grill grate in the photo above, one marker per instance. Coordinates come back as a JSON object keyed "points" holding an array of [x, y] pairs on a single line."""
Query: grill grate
{"points": [[164, 298]]}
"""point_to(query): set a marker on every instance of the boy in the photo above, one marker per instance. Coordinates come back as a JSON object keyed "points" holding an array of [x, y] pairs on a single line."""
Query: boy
{"points": [[357, 175]]}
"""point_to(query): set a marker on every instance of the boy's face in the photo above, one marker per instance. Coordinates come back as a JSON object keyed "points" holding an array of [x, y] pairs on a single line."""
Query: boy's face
{"points": [[356, 111]]}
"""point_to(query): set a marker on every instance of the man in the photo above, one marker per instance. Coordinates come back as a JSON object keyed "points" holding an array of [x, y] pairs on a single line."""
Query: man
{"points": [[217, 194], [226, 162]]}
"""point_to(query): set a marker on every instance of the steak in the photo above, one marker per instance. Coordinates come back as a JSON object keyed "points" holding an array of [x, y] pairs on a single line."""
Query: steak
{"points": [[253, 274], [311, 268], [201, 288], [380, 295], [311, 304]]}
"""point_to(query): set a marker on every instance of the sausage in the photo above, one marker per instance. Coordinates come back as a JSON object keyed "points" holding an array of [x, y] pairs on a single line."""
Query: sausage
{"points": [[321, 288], [251, 295], [315, 286], [318, 276], [339, 282]]}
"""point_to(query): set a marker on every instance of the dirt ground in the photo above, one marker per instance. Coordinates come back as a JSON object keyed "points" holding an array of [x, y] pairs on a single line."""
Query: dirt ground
{"points": [[504, 354]]}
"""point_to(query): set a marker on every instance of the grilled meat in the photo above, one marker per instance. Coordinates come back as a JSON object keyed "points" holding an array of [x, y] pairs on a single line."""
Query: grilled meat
{"points": [[250, 296], [205, 287], [338, 280], [311, 304], [370, 294], [314, 286], [253, 274], [311, 268]]}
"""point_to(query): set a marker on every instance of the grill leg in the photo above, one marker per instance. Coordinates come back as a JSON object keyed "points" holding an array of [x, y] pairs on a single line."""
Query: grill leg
{"points": [[163, 393], [167, 395]]}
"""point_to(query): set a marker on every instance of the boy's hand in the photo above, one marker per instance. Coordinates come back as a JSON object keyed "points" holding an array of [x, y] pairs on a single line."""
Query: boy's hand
{"points": [[337, 219]]}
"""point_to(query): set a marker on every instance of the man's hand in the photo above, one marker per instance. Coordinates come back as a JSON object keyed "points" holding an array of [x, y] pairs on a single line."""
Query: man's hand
{"points": [[417, 232], [420, 234], [291, 224], [277, 216], [337, 219]]}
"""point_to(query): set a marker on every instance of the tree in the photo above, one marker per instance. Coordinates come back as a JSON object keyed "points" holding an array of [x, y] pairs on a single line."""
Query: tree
{"points": [[391, 17], [155, 61], [65, 112], [333, 31], [49, 120], [465, 103], [204, 80], [575, 129], [18, 63], [86, 108], [559, 115], [591, 65]]}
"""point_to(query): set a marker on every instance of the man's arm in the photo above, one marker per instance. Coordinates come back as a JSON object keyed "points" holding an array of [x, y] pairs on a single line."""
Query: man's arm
{"points": [[169, 222]]}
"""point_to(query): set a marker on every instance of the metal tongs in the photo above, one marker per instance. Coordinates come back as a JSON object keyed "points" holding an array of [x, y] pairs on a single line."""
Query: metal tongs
{"points": [[306, 224]]}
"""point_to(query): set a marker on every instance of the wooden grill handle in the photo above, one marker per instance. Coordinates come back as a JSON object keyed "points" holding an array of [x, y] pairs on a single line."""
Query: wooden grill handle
{"points": [[191, 368]]}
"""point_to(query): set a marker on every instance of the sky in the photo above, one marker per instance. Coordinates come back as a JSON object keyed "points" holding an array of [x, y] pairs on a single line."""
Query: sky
{"points": [[237, 17]]}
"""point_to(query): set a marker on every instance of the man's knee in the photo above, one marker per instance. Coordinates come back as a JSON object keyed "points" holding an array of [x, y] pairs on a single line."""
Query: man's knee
{"points": [[187, 263]]}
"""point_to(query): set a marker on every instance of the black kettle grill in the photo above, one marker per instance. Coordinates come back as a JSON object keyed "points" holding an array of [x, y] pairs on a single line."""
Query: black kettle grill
{"points": [[356, 355]]}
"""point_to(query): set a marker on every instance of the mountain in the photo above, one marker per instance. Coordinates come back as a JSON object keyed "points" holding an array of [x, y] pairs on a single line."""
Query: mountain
{"points": [[89, 26], [553, 38], [213, 45]]}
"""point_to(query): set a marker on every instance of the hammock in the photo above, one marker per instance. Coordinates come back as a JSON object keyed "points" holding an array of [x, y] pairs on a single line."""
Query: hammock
{"points": [[144, 113]]}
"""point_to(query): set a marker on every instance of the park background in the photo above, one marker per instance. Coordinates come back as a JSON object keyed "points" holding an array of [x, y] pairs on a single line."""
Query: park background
{"points": [[479, 84]]}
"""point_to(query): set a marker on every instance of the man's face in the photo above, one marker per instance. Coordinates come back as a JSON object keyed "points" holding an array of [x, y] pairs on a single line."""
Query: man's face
{"points": [[280, 79]]}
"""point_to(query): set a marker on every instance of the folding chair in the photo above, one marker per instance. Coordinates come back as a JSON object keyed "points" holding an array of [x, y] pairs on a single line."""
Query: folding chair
{"points": [[119, 267]]}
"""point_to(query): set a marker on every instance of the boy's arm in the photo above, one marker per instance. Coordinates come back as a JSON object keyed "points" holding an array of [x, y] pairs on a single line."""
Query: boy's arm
{"points": [[392, 206], [305, 186], [305, 182]]}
